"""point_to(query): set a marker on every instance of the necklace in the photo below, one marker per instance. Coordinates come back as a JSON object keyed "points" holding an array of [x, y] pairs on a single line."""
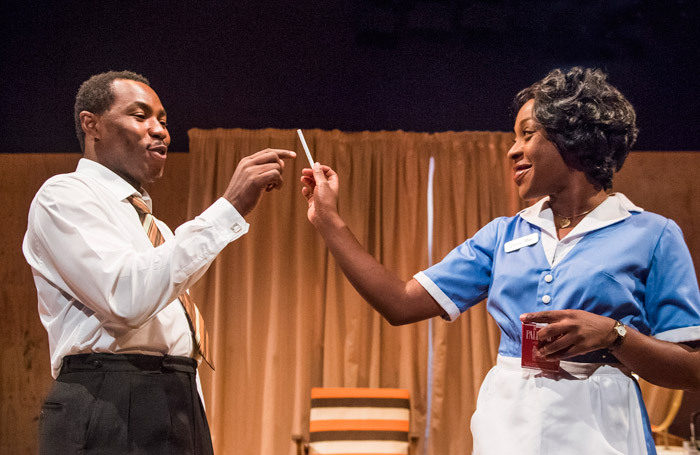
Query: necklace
{"points": [[566, 220]]}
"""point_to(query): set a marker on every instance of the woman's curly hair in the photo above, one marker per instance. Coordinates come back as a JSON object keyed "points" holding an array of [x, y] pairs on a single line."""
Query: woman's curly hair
{"points": [[591, 123], [95, 95]]}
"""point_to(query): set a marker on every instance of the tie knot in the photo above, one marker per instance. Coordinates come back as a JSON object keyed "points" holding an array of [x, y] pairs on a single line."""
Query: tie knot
{"points": [[139, 204]]}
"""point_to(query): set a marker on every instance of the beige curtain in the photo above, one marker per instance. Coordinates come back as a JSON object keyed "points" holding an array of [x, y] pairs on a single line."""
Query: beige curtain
{"points": [[284, 319], [473, 186]]}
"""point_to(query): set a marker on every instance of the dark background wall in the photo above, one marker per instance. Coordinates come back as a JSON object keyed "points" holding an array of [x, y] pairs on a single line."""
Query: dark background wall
{"points": [[352, 65]]}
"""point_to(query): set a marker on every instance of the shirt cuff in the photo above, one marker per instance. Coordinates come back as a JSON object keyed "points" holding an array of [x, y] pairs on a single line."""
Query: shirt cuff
{"points": [[224, 215], [680, 335], [440, 297]]}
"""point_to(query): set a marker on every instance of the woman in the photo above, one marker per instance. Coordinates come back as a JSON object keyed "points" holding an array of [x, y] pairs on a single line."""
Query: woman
{"points": [[614, 284]]}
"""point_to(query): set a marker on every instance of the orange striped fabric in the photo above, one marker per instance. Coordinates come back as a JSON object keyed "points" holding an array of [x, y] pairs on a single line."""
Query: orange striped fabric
{"points": [[363, 453], [359, 424], [351, 421], [194, 317], [358, 392]]}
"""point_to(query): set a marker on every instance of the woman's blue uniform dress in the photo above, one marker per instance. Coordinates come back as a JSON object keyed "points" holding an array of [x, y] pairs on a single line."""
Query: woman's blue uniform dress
{"points": [[620, 262]]}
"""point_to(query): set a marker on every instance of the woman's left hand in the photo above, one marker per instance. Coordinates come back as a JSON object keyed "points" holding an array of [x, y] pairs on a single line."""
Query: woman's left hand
{"points": [[573, 332]]}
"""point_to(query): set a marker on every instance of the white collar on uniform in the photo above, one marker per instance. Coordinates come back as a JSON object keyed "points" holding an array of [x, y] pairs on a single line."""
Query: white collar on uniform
{"points": [[615, 208], [110, 180], [612, 210]]}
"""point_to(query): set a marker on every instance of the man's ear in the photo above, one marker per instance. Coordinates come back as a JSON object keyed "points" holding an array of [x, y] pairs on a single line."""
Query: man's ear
{"points": [[89, 122]]}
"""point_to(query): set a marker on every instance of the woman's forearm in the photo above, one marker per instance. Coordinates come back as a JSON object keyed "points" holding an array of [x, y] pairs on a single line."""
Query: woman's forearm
{"points": [[662, 363], [398, 301]]}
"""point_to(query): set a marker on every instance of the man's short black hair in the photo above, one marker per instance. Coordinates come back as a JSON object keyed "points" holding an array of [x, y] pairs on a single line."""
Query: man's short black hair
{"points": [[95, 95]]}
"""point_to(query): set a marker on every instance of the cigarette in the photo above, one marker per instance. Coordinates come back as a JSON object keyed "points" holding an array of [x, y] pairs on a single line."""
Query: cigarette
{"points": [[306, 148]]}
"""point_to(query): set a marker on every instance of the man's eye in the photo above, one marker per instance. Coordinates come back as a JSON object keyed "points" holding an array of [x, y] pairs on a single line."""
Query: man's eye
{"points": [[139, 116]]}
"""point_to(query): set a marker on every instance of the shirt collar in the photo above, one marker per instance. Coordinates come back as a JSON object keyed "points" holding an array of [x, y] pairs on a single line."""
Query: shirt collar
{"points": [[615, 208], [110, 180]]}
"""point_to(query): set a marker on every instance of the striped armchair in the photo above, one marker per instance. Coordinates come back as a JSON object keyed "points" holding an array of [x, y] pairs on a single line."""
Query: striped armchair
{"points": [[358, 421]]}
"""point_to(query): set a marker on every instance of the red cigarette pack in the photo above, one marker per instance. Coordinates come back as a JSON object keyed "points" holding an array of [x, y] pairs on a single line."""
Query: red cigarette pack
{"points": [[530, 344]]}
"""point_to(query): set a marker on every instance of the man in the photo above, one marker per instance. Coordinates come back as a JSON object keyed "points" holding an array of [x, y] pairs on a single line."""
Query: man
{"points": [[112, 281]]}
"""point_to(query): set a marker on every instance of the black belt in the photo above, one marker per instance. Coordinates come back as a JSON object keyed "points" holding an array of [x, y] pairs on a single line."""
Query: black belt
{"points": [[99, 362], [599, 356]]}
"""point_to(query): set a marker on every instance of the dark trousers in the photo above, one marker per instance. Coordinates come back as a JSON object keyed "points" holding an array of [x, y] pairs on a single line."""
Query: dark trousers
{"points": [[124, 404]]}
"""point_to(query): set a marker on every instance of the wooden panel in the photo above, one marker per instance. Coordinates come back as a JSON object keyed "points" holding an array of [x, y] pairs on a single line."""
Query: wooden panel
{"points": [[26, 374], [663, 182], [666, 183]]}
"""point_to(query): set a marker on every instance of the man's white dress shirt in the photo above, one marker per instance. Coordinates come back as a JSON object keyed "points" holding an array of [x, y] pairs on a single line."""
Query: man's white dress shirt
{"points": [[101, 285]]}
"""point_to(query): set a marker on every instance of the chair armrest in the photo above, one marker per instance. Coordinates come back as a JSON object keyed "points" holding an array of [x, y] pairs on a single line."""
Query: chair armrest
{"points": [[413, 439], [301, 443]]}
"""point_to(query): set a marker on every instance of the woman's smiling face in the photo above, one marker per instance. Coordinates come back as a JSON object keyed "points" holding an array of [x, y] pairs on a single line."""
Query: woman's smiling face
{"points": [[538, 168]]}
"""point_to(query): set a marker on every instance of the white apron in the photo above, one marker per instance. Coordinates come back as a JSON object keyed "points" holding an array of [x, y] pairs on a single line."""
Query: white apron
{"points": [[586, 409]]}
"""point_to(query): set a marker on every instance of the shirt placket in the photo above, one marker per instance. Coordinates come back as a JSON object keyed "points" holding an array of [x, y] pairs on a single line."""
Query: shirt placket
{"points": [[545, 290]]}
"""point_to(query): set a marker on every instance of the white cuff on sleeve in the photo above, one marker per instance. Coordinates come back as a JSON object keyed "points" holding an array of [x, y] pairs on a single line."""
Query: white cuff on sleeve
{"points": [[680, 335], [440, 297], [223, 214]]}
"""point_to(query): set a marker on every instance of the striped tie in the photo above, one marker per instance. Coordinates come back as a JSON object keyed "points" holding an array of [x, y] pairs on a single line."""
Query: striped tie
{"points": [[195, 319]]}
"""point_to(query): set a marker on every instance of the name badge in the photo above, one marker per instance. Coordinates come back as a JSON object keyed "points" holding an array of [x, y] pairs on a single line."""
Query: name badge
{"points": [[521, 242]]}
